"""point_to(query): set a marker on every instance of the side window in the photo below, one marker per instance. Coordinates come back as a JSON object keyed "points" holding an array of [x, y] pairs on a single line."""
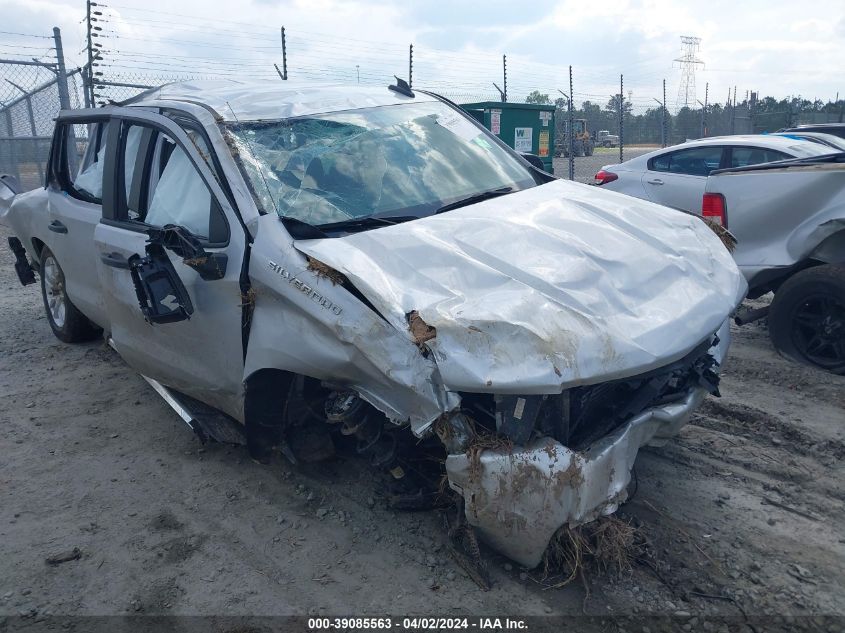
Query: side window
{"points": [[162, 186], [80, 161], [132, 160], [696, 161], [742, 156], [661, 163]]}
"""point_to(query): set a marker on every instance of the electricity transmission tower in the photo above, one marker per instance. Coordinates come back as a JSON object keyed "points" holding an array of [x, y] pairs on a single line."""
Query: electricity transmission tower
{"points": [[688, 61]]}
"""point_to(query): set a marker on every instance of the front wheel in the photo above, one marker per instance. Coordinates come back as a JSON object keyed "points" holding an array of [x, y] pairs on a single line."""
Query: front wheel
{"points": [[66, 321], [807, 318]]}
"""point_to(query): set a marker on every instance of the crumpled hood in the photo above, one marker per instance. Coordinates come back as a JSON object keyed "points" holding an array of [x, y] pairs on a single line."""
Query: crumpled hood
{"points": [[558, 285]]}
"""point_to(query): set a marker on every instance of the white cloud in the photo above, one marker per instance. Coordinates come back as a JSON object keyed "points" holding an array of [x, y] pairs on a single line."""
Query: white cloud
{"points": [[458, 45]]}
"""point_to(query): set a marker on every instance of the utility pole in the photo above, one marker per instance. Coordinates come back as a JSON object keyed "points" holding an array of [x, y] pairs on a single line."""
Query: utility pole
{"points": [[505, 76], [410, 66], [284, 56], [662, 122], [701, 131], [689, 62], [733, 112], [89, 75], [64, 96], [665, 126], [704, 115], [358, 72], [752, 109], [621, 117], [571, 129], [569, 115]]}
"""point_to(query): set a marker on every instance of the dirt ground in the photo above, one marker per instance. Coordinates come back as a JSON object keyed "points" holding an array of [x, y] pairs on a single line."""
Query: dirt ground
{"points": [[743, 510]]}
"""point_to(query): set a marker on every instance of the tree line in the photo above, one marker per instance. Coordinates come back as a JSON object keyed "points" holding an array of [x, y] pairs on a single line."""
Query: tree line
{"points": [[750, 116]]}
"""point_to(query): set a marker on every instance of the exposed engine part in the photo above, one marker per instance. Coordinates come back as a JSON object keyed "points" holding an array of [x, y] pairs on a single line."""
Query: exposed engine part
{"points": [[515, 416], [342, 406], [581, 415], [359, 419], [455, 431], [597, 410], [746, 316]]}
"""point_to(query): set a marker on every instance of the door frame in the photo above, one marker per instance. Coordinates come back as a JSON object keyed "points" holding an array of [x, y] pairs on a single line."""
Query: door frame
{"points": [[115, 209]]}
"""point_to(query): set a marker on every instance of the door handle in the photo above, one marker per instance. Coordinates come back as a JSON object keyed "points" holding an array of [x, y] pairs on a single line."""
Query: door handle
{"points": [[115, 260], [57, 227], [655, 181]]}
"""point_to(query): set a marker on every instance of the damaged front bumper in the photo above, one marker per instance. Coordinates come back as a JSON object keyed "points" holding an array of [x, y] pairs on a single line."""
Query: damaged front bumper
{"points": [[517, 499]]}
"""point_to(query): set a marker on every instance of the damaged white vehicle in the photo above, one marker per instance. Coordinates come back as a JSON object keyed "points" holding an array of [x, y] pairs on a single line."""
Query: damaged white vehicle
{"points": [[312, 261]]}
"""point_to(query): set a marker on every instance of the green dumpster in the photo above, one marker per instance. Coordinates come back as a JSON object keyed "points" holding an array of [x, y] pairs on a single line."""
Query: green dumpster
{"points": [[529, 128]]}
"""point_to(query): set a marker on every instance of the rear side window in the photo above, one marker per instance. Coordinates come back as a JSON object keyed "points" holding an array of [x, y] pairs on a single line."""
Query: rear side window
{"points": [[696, 161], [162, 185], [79, 165], [743, 156]]}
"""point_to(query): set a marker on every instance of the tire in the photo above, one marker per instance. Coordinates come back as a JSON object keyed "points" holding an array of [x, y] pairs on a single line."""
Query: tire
{"points": [[65, 319], [807, 318]]}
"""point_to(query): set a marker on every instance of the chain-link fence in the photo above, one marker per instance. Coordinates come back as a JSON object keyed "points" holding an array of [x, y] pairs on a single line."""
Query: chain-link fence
{"points": [[32, 92], [602, 111], [609, 111]]}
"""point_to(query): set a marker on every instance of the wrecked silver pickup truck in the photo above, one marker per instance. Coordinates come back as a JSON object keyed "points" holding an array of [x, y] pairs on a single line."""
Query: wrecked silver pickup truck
{"points": [[302, 259]]}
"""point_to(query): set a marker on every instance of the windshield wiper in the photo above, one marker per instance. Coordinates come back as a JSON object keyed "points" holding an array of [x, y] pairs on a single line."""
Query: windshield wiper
{"points": [[476, 197], [300, 230], [366, 222]]}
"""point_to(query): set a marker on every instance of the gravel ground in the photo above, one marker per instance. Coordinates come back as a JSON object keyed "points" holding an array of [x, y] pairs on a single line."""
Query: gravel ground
{"points": [[587, 166], [743, 510]]}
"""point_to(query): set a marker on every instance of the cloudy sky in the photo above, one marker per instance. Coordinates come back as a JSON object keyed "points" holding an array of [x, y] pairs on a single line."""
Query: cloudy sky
{"points": [[777, 47]]}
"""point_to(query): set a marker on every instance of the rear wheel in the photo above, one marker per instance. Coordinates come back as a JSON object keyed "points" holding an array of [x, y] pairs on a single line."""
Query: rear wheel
{"points": [[66, 321], [807, 318]]}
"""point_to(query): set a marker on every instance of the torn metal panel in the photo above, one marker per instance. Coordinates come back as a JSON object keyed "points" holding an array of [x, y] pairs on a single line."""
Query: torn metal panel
{"points": [[557, 285], [518, 499], [306, 323]]}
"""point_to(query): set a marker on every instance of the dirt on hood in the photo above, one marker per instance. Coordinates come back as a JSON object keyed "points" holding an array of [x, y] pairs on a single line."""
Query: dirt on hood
{"points": [[554, 285]]}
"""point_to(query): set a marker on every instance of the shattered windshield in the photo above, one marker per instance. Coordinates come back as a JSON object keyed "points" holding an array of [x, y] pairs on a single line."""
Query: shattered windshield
{"points": [[400, 160]]}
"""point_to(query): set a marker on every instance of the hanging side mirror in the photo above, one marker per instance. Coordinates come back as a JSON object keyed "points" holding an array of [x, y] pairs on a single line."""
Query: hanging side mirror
{"points": [[9, 188], [184, 244], [535, 161], [161, 294]]}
